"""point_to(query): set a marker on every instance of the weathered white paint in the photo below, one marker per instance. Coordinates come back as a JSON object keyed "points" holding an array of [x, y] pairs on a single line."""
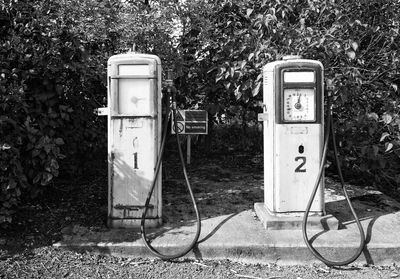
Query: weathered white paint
{"points": [[287, 191], [134, 135], [134, 96], [293, 189]]}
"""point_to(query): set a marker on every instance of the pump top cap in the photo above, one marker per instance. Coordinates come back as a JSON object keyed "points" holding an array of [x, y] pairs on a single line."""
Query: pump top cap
{"points": [[291, 57]]}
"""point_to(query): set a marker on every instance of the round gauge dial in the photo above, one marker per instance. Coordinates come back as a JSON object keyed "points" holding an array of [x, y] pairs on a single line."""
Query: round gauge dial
{"points": [[299, 104]]}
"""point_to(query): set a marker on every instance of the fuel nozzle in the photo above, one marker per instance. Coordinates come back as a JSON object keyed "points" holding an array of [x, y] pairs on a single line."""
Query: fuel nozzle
{"points": [[169, 80], [329, 87], [170, 87]]}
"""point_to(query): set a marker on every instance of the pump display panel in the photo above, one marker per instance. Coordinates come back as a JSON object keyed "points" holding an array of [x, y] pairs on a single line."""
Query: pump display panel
{"points": [[299, 104], [298, 97]]}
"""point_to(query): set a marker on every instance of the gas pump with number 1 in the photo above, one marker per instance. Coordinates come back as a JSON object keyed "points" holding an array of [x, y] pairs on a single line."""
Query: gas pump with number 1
{"points": [[136, 145], [293, 141], [134, 138]]}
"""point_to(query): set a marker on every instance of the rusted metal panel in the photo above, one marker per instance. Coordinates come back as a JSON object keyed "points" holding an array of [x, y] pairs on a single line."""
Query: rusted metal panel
{"points": [[134, 127]]}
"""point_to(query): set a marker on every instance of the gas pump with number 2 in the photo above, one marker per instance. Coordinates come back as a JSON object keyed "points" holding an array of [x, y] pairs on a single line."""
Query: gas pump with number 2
{"points": [[293, 134], [295, 149]]}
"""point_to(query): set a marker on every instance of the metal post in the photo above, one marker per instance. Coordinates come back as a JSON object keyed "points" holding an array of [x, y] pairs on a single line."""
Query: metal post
{"points": [[188, 151]]}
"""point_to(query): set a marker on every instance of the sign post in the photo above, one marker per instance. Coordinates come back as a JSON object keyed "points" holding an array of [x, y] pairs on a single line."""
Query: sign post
{"points": [[188, 151], [190, 122]]}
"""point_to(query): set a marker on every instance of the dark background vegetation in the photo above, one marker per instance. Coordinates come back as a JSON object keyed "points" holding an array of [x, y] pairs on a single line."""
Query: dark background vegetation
{"points": [[53, 76]]}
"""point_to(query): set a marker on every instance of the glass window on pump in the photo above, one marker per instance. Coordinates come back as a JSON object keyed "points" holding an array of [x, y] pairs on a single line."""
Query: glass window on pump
{"points": [[299, 77], [299, 95]]}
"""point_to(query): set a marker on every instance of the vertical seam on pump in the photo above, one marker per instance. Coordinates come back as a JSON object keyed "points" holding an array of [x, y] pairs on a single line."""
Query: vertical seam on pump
{"points": [[159, 131], [111, 185], [275, 88]]}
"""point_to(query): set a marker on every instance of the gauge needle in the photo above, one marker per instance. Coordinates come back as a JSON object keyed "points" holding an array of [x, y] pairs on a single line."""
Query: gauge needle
{"points": [[298, 104]]}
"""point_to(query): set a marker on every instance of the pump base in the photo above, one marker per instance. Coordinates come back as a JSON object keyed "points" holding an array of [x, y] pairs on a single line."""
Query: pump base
{"points": [[272, 221], [133, 223]]}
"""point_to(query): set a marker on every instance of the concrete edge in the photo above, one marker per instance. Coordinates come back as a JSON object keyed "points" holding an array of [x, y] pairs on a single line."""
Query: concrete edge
{"points": [[256, 254]]}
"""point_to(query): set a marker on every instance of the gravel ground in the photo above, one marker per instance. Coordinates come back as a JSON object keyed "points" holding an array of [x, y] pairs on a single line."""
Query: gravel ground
{"points": [[221, 185], [48, 262]]}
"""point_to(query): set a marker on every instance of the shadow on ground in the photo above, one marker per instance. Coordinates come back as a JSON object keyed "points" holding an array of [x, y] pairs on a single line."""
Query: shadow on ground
{"points": [[223, 186]]}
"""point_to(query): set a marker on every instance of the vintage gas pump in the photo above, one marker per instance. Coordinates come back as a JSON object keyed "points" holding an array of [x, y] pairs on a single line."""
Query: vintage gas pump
{"points": [[136, 146], [295, 151], [293, 139], [134, 138]]}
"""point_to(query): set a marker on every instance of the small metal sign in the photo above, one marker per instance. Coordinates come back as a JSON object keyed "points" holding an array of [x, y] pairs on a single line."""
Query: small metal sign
{"points": [[191, 122]]}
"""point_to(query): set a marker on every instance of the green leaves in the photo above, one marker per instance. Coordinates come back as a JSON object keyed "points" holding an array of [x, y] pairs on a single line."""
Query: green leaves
{"points": [[256, 89], [354, 45], [5, 146], [386, 118], [351, 54], [53, 55], [388, 146], [351, 50], [373, 116], [358, 53], [384, 136], [249, 12], [52, 69], [59, 141]]}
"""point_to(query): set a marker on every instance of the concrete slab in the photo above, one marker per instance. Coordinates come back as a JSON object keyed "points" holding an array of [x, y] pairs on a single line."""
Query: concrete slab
{"points": [[294, 221], [241, 237]]}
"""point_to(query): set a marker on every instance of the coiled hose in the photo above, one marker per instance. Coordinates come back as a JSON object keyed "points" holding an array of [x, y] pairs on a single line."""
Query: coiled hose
{"points": [[157, 170], [329, 129]]}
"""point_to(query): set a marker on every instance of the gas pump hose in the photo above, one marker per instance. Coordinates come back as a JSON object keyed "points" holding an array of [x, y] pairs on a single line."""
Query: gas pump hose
{"points": [[329, 129], [157, 170]]}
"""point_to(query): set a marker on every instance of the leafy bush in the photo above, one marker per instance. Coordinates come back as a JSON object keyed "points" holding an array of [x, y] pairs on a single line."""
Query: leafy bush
{"points": [[53, 58], [52, 74], [11, 179], [51, 80], [357, 41]]}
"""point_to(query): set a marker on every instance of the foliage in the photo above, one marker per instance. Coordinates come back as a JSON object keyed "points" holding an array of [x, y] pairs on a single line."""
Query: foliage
{"points": [[53, 66], [51, 80], [358, 43]]}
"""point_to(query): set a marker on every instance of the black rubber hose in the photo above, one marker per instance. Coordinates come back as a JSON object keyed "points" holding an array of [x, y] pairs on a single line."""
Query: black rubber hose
{"points": [[157, 170], [329, 129]]}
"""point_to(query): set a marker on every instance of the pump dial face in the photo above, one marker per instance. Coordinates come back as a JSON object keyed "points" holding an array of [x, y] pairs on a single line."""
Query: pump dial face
{"points": [[299, 104]]}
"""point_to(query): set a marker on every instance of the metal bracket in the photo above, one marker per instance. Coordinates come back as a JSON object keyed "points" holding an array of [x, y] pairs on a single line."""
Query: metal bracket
{"points": [[132, 207], [262, 116], [102, 111], [133, 77]]}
